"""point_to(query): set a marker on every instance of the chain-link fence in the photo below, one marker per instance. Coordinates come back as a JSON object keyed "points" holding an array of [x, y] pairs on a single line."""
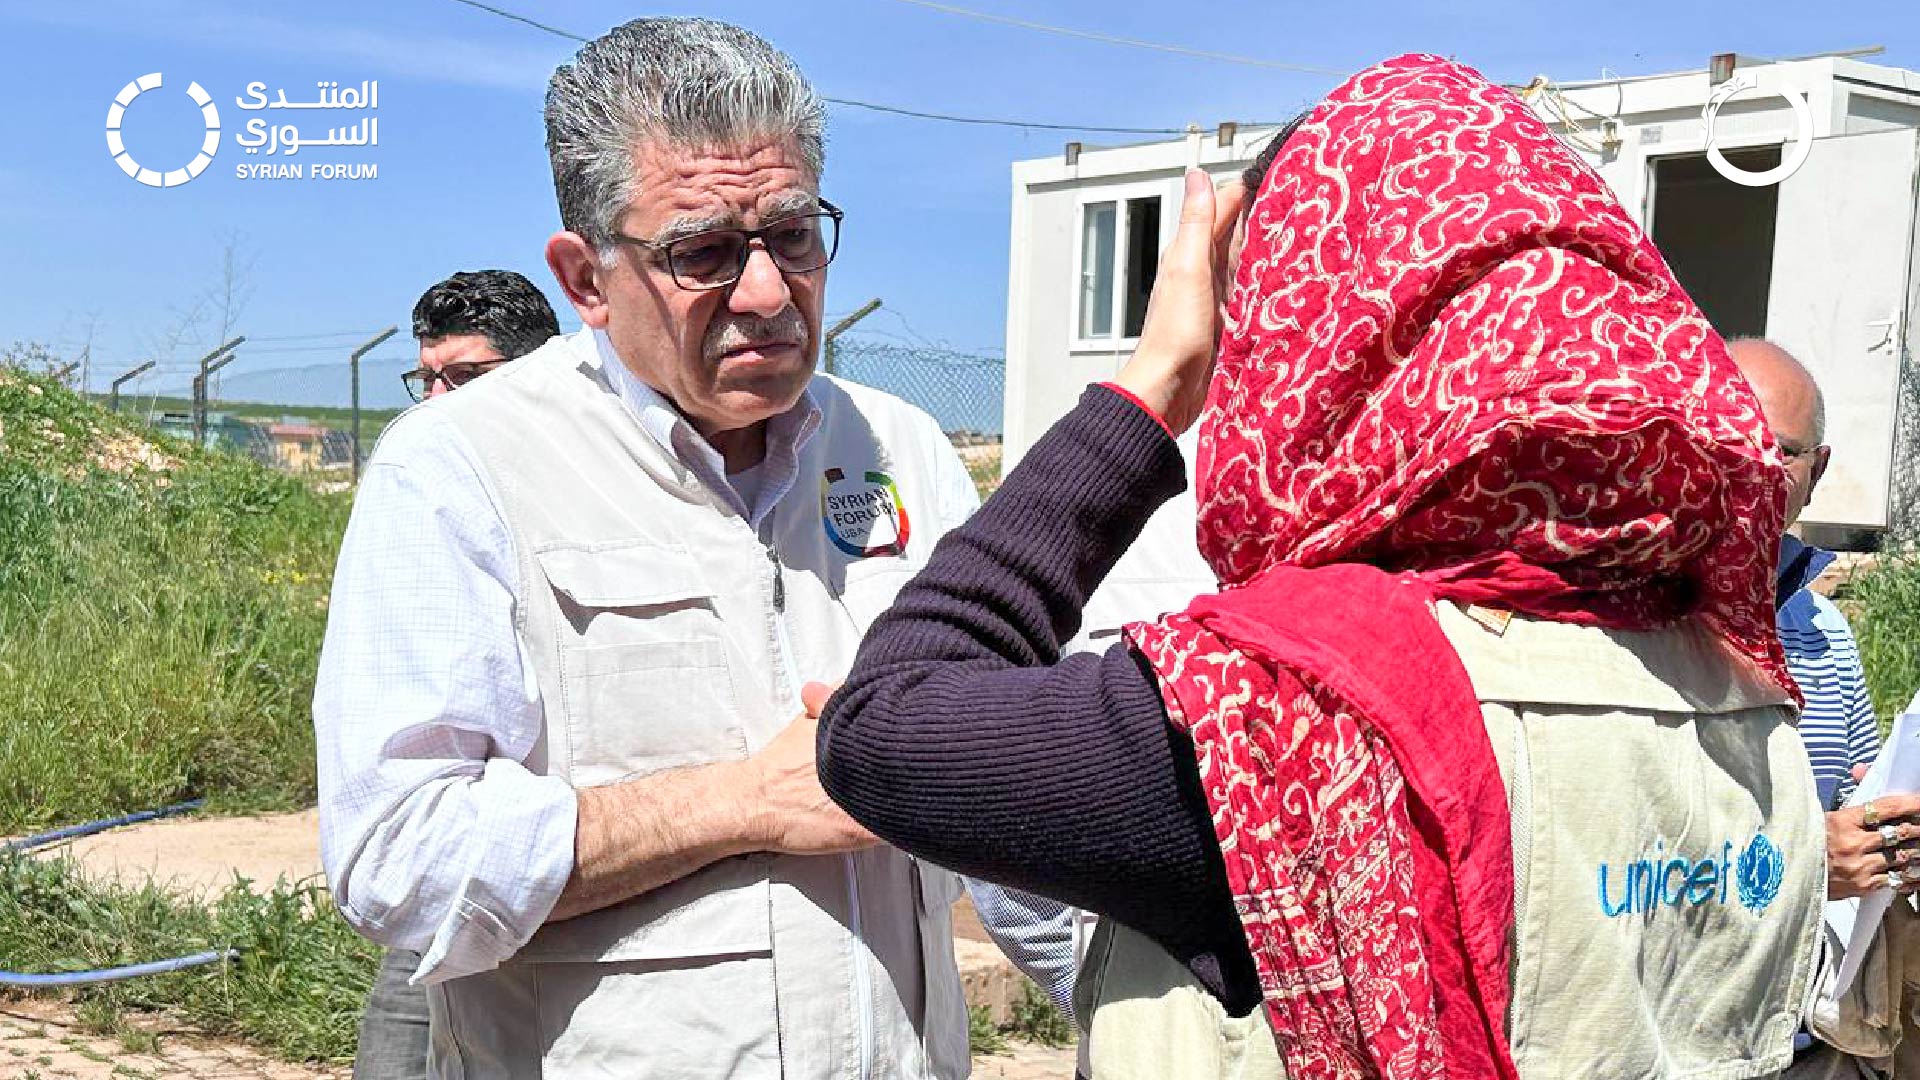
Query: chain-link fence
{"points": [[963, 391], [293, 416]]}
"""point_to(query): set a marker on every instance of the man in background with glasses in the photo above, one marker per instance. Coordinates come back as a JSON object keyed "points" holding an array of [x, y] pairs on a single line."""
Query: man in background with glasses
{"points": [[562, 746], [473, 322], [1837, 725], [467, 325]]}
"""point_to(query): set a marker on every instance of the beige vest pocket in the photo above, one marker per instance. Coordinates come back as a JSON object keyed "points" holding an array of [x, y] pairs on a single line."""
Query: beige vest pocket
{"points": [[644, 678]]}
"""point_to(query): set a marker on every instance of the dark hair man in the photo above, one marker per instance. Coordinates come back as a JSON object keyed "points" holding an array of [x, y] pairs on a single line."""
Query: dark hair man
{"points": [[473, 322]]}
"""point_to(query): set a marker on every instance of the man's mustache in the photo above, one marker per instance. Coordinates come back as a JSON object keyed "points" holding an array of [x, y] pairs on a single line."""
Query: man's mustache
{"points": [[742, 332]]}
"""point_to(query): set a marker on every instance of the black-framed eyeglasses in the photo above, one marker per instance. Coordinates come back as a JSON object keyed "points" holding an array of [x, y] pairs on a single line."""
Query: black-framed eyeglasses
{"points": [[715, 259], [420, 380]]}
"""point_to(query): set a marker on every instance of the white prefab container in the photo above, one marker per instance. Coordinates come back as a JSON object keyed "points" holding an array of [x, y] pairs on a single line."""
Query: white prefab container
{"points": [[1822, 262]]}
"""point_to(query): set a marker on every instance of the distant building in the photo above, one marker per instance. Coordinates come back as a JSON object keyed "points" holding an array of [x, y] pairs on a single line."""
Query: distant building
{"points": [[224, 432], [297, 447], [1826, 262]]}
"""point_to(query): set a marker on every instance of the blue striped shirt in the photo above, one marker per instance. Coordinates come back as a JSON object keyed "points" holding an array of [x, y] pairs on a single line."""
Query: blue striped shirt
{"points": [[1838, 726]]}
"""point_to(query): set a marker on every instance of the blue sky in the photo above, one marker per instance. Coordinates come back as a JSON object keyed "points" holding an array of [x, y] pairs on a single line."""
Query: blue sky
{"points": [[463, 179]]}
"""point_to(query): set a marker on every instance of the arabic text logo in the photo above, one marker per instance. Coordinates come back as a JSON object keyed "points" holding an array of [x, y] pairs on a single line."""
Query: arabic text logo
{"points": [[117, 146]]}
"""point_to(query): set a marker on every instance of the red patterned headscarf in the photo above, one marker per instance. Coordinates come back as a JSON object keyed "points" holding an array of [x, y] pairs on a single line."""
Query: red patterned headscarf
{"points": [[1454, 369]]}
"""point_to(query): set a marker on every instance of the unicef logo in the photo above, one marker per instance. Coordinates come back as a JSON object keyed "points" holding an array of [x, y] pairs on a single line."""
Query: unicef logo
{"points": [[151, 177], [1665, 879], [1759, 874]]}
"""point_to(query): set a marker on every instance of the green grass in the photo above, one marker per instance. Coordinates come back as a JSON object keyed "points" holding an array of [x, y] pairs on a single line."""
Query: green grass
{"points": [[983, 1035], [1034, 1018], [158, 627], [296, 989], [1037, 1019], [1886, 622]]}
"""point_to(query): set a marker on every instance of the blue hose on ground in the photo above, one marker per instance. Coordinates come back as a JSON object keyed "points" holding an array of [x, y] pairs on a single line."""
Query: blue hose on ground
{"points": [[131, 971], [28, 843]]}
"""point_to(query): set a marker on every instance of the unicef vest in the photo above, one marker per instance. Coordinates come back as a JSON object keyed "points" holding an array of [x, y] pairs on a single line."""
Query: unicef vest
{"points": [[1669, 850], [1670, 863], [663, 634]]}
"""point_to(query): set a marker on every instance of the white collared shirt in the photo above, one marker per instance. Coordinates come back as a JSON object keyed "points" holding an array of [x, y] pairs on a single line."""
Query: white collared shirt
{"points": [[786, 434]]}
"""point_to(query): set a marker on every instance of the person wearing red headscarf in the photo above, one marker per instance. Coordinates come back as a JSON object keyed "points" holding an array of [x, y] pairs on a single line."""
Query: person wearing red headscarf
{"points": [[1481, 761]]}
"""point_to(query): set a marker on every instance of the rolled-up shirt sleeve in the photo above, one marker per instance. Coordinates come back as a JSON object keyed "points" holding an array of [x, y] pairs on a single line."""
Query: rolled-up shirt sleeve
{"points": [[435, 834]]}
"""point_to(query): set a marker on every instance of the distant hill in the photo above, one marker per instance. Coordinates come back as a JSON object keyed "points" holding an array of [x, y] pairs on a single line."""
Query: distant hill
{"points": [[317, 385], [321, 384]]}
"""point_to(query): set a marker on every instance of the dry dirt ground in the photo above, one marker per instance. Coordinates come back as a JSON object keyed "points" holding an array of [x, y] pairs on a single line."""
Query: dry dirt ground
{"points": [[195, 855], [39, 1039]]}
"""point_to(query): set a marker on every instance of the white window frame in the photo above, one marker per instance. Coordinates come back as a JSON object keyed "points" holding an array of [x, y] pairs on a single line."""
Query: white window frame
{"points": [[1119, 195]]}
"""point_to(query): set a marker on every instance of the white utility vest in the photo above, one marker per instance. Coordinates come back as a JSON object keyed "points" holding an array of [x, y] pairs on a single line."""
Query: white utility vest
{"points": [[1670, 864], [663, 632]]}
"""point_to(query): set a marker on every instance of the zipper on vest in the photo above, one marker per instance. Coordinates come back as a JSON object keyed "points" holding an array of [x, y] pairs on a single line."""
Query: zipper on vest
{"points": [[856, 938], [779, 581], [862, 979]]}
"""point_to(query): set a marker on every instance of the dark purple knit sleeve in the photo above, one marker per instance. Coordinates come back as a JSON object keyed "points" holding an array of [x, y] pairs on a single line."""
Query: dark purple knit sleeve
{"points": [[961, 735]]}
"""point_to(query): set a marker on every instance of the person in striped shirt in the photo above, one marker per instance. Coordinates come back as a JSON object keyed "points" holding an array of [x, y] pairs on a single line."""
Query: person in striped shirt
{"points": [[1838, 724]]}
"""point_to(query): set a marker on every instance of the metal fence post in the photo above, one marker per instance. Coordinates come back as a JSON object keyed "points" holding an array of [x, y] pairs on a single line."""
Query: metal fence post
{"points": [[113, 395], [353, 363], [200, 395], [841, 327], [200, 390]]}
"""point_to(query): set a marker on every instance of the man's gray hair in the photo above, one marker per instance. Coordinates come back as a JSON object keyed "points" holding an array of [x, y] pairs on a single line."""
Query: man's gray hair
{"points": [[684, 83]]}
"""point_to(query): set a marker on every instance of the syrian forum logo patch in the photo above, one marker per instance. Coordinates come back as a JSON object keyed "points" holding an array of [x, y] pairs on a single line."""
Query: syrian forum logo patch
{"points": [[209, 146], [863, 514]]}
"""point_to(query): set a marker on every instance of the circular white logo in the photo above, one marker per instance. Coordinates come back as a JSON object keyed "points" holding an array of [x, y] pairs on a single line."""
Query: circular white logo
{"points": [[173, 178], [1802, 135]]}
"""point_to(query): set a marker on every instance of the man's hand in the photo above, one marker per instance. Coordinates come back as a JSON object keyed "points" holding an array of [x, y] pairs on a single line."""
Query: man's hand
{"points": [[1173, 363], [637, 835], [1858, 857], [795, 815]]}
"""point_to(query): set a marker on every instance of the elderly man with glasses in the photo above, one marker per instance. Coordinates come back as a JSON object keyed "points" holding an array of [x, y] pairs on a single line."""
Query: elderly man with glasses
{"points": [[562, 747], [1868, 847], [473, 322]]}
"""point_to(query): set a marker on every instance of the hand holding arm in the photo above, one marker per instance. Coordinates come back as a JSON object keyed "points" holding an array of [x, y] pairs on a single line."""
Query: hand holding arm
{"points": [[637, 835]]}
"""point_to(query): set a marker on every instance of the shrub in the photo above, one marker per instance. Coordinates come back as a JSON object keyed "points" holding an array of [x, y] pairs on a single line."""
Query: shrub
{"points": [[1888, 629]]}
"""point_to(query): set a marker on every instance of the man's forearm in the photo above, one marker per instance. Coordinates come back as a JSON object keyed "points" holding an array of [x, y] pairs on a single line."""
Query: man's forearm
{"points": [[637, 835]]}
